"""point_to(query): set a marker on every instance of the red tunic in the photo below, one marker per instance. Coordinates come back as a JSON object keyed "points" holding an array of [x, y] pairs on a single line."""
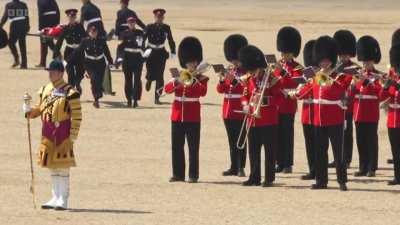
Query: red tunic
{"points": [[392, 95], [350, 99], [366, 100], [269, 110], [307, 113], [294, 69], [186, 105], [233, 91]]}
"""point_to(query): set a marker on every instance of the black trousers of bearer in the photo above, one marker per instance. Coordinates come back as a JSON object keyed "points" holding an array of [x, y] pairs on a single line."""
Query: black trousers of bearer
{"points": [[394, 138], [237, 156], [155, 66], [19, 37], [323, 135], [132, 66], [45, 44], [286, 140], [182, 131], [308, 132], [96, 69], [75, 69], [367, 144], [265, 136]]}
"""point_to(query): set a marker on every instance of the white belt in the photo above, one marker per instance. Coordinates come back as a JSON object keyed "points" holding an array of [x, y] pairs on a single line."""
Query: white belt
{"points": [[17, 18], [327, 102], [87, 22], [94, 57], [232, 96], [124, 25], [49, 13], [394, 106], [289, 90], [72, 45], [155, 46], [134, 50], [308, 101], [372, 97], [184, 99]]}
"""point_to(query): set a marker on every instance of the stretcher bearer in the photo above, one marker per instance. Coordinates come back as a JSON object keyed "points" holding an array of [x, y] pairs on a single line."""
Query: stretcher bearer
{"points": [[95, 54], [260, 102], [59, 108], [289, 44], [157, 33], [49, 16], [17, 13], [231, 86], [73, 34], [91, 15], [391, 94], [307, 114], [346, 42], [366, 105], [185, 117]]}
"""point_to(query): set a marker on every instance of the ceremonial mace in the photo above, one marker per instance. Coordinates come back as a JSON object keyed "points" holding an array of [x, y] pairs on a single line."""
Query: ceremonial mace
{"points": [[27, 101]]}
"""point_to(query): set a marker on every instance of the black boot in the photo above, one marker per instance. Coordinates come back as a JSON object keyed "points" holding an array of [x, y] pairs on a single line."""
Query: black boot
{"points": [[148, 85], [135, 104], [308, 176], [393, 182], [129, 103], [332, 164], [229, 172], [343, 187], [360, 174], [319, 186]]}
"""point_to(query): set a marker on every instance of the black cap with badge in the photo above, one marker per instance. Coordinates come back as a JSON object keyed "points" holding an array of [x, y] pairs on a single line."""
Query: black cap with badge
{"points": [[56, 65]]}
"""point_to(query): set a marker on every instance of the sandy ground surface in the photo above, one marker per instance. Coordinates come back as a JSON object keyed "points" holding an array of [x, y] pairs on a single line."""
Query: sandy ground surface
{"points": [[124, 156]]}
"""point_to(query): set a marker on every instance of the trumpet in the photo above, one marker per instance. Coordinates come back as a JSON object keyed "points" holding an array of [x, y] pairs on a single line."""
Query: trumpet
{"points": [[256, 101]]}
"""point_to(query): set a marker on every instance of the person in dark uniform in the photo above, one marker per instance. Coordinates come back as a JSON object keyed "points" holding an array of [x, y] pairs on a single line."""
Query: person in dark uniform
{"points": [[263, 126], [186, 110], [17, 12], [95, 54], [288, 44], [121, 24], [132, 47], [232, 89], [73, 33], [346, 42], [156, 34], [91, 15], [49, 16]]}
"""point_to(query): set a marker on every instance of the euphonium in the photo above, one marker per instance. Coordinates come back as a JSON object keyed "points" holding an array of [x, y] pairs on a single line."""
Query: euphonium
{"points": [[323, 79], [186, 77]]}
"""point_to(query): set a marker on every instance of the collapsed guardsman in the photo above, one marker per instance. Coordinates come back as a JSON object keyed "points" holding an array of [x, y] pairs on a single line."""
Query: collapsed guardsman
{"points": [[60, 110]]}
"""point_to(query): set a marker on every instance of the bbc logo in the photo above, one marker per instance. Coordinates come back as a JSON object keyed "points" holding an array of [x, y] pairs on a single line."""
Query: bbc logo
{"points": [[17, 12]]}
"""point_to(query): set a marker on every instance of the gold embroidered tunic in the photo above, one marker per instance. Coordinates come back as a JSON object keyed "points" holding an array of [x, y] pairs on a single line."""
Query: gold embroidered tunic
{"points": [[60, 110]]}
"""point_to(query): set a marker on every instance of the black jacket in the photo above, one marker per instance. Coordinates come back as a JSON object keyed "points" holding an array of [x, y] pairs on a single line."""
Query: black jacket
{"points": [[156, 34], [73, 34], [122, 15], [16, 10], [49, 13]]}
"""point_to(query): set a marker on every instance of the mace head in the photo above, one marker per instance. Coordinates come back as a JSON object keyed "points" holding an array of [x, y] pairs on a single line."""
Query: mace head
{"points": [[27, 98]]}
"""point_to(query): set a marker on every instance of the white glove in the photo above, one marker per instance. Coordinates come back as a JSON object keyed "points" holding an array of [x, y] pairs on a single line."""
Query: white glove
{"points": [[26, 108], [246, 108], [147, 53], [172, 56]]}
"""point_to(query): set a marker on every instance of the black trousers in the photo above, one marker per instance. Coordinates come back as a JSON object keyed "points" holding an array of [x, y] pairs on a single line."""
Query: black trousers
{"points": [[45, 44], [308, 131], [265, 136], [75, 70], [191, 132], [286, 140], [155, 66], [133, 78], [367, 144], [96, 70], [21, 38], [237, 156], [348, 138], [323, 135], [394, 138]]}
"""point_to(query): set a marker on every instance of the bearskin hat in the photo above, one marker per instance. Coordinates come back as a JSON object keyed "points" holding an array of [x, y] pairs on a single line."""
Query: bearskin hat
{"points": [[396, 37], [3, 38], [252, 58], [395, 57], [308, 56], [190, 50], [289, 41], [368, 49], [325, 48], [232, 45], [346, 42]]}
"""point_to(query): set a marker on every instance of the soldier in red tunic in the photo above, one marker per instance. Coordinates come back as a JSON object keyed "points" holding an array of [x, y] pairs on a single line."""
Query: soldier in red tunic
{"points": [[328, 89], [185, 117], [391, 94], [289, 44], [346, 42], [231, 86], [263, 125], [366, 91]]}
